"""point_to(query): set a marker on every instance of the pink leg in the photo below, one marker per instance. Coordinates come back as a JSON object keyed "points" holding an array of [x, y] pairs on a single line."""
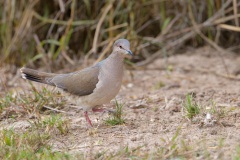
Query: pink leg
{"points": [[87, 118]]}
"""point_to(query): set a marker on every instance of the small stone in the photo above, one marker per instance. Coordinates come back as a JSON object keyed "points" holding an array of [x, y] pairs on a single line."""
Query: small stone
{"points": [[129, 85], [134, 139], [213, 132]]}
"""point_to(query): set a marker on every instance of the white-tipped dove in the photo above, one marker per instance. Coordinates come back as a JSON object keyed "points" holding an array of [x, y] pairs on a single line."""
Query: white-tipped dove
{"points": [[92, 86]]}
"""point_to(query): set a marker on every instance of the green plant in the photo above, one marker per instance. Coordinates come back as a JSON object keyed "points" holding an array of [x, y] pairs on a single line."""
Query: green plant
{"points": [[237, 156], [220, 112], [28, 145], [190, 107], [55, 122], [159, 85], [7, 100], [116, 118], [30, 102]]}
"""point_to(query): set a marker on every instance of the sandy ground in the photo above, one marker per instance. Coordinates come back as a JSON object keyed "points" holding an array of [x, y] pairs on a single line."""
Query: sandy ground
{"points": [[153, 111]]}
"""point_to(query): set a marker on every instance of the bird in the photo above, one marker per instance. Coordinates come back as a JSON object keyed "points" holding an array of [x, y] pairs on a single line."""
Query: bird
{"points": [[92, 86]]}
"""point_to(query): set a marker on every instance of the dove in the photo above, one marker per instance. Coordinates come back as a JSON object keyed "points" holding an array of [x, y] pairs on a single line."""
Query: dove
{"points": [[92, 86]]}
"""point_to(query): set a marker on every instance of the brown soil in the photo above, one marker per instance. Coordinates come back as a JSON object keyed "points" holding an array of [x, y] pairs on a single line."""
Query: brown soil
{"points": [[153, 111]]}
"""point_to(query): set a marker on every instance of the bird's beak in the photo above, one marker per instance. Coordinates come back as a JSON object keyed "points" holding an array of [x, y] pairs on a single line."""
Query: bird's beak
{"points": [[130, 52]]}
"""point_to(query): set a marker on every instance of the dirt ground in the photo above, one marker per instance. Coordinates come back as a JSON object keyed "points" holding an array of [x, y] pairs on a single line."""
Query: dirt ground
{"points": [[153, 112]]}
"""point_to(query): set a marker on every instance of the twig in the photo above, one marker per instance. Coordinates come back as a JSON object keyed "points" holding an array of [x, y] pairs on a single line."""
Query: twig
{"points": [[161, 37], [235, 10], [61, 5], [218, 13], [229, 27], [145, 25], [53, 25], [41, 50], [63, 47], [56, 110], [60, 22], [64, 54], [224, 19], [115, 27], [230, 77], [94, 48]]}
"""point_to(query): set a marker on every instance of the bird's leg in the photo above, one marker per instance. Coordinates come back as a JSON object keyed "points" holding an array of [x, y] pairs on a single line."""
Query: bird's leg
{"points": [[87, 118]]}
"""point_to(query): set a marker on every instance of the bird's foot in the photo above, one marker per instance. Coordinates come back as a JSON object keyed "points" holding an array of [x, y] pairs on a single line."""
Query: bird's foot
{"points": [[98, 110], [103, 110]]}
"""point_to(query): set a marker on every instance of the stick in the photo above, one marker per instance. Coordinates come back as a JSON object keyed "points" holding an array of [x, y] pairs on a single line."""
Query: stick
{"points": [[56, 110]]}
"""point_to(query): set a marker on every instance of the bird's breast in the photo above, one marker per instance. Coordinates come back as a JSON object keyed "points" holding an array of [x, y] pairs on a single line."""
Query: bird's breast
{"points": [[110, 79]]}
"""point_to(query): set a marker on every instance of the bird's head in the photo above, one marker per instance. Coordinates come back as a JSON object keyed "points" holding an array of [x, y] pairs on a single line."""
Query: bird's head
{"points": [[122, 46]]}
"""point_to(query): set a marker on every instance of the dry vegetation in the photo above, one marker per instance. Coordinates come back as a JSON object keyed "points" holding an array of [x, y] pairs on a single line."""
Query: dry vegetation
{"points": [[58, 32], [50, 35]]}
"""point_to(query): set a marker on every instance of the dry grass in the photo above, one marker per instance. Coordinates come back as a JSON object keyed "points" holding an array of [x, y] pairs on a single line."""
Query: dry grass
{"points": [[22, 104], [60, 32], [31, 141], [31, 144]]}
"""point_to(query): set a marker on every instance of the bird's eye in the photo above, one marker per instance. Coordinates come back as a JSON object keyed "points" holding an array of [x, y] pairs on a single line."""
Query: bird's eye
{"points": [[120, 46]]}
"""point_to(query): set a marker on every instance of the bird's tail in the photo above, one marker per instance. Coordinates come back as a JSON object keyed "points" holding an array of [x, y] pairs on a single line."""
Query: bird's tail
{"points": [[33, 75]]}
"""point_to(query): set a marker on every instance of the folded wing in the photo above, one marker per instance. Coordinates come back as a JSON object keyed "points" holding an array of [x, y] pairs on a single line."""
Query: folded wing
{"points": [[80, 83]]}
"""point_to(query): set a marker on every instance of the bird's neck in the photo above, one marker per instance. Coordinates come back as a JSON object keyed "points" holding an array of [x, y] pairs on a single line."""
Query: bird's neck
{"points": [[117, 56], [115, 60]]}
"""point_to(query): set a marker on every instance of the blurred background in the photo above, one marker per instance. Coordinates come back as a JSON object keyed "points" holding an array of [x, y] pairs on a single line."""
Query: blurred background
{"points": [[67, 32]]}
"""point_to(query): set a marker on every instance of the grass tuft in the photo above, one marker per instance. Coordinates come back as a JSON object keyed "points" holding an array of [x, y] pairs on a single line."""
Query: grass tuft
{"points": [[56, 122], [116, 119], [22, 103], [51, 124], [220, 112], [28, 145], [190, 107]]}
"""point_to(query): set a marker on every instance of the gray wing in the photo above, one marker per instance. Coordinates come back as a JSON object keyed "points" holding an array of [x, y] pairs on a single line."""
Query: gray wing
{"points": [[80, 83]]}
